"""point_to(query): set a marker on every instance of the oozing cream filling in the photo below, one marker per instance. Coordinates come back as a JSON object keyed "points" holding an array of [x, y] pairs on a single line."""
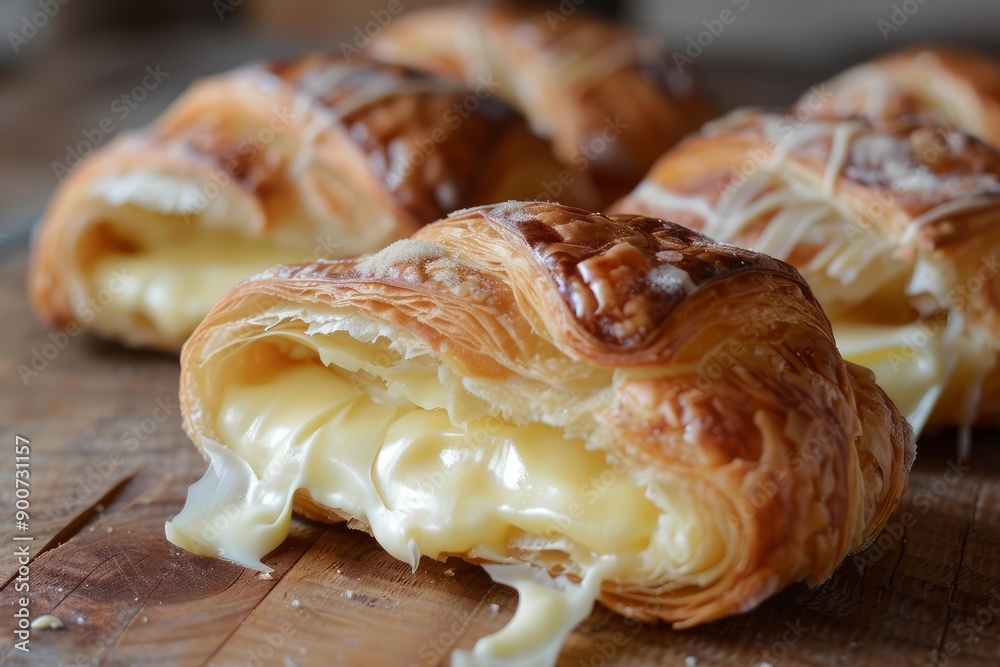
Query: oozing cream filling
{"points": [[174, 273], [909, 363], [293, 415], [926, 366], [181, 243], [433, 480]]}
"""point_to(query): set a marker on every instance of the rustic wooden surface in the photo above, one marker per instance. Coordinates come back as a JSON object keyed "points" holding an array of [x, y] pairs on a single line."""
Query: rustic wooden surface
{"points": [[927, 593]]}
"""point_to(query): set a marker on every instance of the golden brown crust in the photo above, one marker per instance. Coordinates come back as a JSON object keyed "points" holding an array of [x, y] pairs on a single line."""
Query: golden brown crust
{"points": [[611, 272], [904, 167], [300, 152], [946, 84], [733, 390], [415, 134], [611, 100], [881, 466]]}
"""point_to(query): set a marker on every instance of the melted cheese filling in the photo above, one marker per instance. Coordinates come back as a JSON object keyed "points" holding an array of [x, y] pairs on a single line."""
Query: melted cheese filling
{"points": [[176, 274], [297, 413]]}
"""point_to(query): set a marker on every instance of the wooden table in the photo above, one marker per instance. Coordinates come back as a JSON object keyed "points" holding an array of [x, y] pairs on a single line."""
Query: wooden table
{"points": [[109, 464]]}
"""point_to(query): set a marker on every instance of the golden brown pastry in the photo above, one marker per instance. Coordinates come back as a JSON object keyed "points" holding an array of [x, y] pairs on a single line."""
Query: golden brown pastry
{"points": [[601, 407], [611, 100], [281, 162], [946, 84], [896, 227]]}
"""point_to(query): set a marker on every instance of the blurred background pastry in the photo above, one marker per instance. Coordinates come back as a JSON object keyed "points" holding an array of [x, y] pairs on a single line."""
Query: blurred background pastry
{"points": [[284, 161], [945, 84], [610, 99]]}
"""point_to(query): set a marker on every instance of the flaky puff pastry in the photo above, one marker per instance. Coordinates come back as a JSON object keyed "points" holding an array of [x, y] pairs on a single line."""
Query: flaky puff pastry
{"points": [[894, 224], [946, 84], [614, 400], [611, 99], [279, 162]]}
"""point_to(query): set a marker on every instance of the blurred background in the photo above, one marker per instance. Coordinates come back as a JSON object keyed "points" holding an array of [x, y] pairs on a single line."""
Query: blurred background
{"points": [[75, 71]]}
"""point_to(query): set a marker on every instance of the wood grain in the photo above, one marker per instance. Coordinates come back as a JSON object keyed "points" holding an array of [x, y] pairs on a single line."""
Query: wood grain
{"points": [[926, 593]]}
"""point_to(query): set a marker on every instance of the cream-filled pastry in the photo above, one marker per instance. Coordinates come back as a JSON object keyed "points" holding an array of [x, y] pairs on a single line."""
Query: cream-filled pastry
{"points": [[894, 224], [597, 408], [275, 163]]}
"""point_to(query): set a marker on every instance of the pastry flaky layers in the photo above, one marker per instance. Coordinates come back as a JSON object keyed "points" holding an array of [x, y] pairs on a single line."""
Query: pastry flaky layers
{"points": [[652, 419], [274, 163], [894, 224], [610, 99]]}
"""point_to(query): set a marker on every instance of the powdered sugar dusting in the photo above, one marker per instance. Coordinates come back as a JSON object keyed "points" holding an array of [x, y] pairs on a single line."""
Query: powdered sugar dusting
{"points": [[669, 278], [510, 213], [404, 251]]}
